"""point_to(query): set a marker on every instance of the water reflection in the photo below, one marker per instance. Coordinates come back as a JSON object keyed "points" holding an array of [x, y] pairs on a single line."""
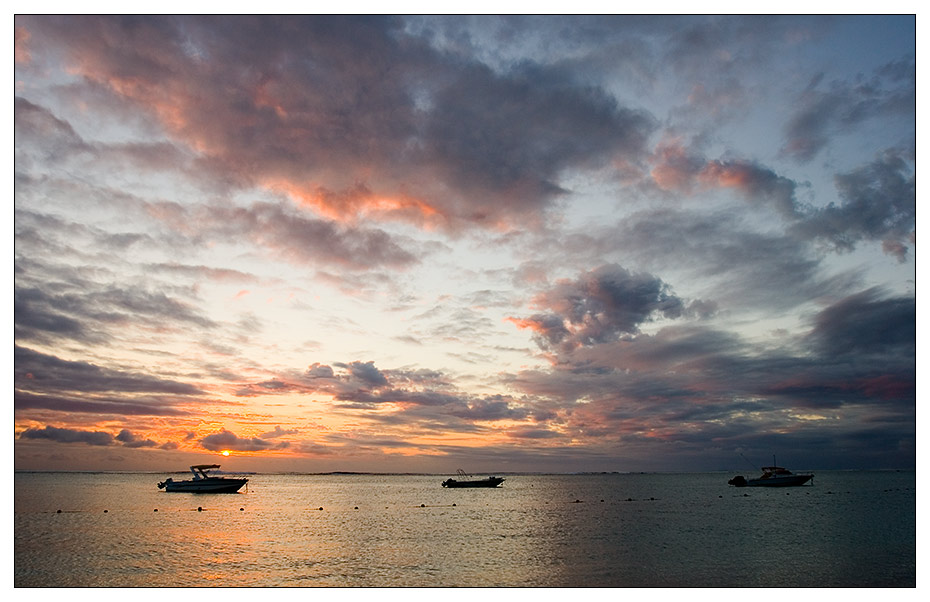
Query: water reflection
{"points": [[384, 531]]}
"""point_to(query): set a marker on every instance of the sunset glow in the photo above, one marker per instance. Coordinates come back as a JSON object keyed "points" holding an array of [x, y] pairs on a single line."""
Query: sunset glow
{"points": [[416, 244]]}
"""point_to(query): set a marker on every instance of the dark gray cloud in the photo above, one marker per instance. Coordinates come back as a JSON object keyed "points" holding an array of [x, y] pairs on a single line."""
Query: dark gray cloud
{"points": [[879, 204], [826, 109], [79, 403], [600, 306], [721, 256], [65, 435], [295, 237], [55, 300], [35, 371], [42, 135], [508, 138], [365, 374], [423, 396], [227, 440], [865, 324], [129, 439], [694, 386]]}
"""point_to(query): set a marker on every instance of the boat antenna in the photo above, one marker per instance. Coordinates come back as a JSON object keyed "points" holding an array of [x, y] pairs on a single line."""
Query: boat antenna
{"points": [[747, 460]]}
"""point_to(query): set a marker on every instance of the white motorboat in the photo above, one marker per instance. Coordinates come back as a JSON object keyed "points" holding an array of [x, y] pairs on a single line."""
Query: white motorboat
{"points": [[204, 482], [772, 476]]}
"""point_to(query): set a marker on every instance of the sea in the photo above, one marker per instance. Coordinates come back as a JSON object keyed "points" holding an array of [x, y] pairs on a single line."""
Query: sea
{"points": [[118, 530]]}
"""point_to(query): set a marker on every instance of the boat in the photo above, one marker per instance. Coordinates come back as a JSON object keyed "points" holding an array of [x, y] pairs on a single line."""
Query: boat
{"points": [[470, 482], [204, 482], [773, 476]]}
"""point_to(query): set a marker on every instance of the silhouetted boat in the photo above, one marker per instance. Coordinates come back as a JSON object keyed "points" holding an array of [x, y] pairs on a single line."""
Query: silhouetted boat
{"points": [[203, 482], [772, 476], [469, 482]]}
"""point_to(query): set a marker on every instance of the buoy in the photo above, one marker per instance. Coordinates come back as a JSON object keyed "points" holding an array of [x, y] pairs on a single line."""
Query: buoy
{"points": [[105, 511], [199, 509], [452, 505], [59, 511], [156, 509], [241, 509], [356, 507], [321, 507], [422, 505]]}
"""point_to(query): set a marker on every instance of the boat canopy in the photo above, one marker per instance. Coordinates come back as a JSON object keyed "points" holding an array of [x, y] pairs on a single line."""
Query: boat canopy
{"points": [[204, 466]]}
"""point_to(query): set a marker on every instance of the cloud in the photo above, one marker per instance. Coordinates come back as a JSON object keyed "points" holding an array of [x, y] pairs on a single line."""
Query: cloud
{"points": [[282, 231], [866, 324], [65, 435], [605, 181], [227, 440], [318, 370], [682, 170], [508, 137], [294, 237], [439, 140], [600, 306], [365, 374], [42, 134], [129, 439], [35, 371], [428, 398], [822, 113], [55, 301], [533, 433], [879, 203], [759, 184], [278, 432], [690, 384], [72, 403], [721, 257]]}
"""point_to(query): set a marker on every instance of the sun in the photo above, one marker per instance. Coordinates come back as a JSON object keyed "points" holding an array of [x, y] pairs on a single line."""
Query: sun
{"points": [[225, 452]]}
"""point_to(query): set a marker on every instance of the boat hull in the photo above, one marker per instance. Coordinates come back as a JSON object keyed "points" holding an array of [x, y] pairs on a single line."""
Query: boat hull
{"points": [[778, 481], [218, 485], [791, 481], [490, 482]]}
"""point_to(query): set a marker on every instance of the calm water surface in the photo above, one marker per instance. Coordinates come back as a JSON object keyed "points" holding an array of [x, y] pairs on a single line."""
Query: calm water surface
{"points": [[643, 530]]}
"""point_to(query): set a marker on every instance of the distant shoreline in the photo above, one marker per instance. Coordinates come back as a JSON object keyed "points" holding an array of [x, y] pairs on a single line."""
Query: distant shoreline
{"points": [[440, 474]]}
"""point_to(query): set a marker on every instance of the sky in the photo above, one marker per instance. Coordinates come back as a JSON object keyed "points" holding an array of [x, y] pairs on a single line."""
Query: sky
{"points": [[502, 244]]}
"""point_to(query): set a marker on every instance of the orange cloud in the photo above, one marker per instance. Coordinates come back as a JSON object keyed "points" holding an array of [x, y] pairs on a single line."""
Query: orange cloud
{"points": [[20, 45], [676, 169], [345, 205], [526, 324], [733, 175]]}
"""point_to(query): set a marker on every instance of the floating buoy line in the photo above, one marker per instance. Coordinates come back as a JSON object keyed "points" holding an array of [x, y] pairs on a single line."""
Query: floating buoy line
{"points": [[454, 505]]}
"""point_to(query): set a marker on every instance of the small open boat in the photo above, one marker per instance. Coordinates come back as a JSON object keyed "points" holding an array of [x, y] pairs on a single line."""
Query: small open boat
{"points": [[467, 481], [772, 476], [203, 482]]}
